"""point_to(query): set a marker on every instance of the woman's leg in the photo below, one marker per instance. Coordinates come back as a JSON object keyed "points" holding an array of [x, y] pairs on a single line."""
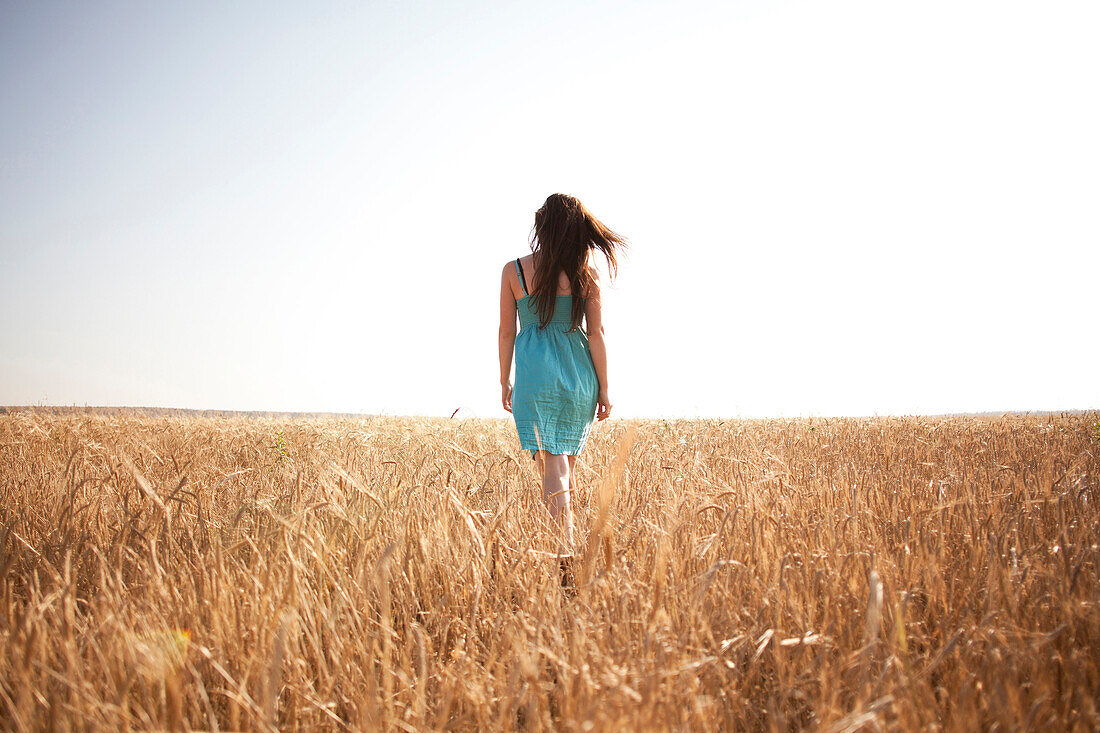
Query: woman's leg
{"points": [[572, 479], [556, 485]]}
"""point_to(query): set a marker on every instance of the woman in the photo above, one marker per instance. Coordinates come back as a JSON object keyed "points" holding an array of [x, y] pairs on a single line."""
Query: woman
{"points": [[561, 370]]}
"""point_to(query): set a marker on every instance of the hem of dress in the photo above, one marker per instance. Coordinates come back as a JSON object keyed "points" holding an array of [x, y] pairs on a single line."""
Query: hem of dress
{"points": [[554, 448], [551, 451]]}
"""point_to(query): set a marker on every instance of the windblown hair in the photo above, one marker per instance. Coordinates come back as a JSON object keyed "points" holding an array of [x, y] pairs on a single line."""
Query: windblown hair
{"points": [[563, 234]]}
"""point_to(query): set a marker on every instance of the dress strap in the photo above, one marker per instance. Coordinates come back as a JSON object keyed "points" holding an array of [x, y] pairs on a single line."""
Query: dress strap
{"points": [[522, 279]]}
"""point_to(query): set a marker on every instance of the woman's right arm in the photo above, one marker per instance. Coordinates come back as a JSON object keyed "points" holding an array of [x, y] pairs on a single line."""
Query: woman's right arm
{"points": [[593, 316]]}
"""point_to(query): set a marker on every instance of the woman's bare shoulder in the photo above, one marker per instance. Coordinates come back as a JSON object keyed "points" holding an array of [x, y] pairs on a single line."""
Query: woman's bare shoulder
{"points": [[524, 261], [592, 289], [509, 277]]}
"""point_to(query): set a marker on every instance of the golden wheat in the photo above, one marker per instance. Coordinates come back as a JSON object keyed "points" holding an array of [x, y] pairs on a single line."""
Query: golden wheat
{"points": [[232, 573]]}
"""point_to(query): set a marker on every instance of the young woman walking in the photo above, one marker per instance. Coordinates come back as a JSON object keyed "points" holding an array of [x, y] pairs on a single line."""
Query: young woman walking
{"points": [[561, 369]]}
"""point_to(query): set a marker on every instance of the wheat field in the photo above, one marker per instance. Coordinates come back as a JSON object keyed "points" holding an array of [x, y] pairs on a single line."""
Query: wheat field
{"points": [[395, 574]]}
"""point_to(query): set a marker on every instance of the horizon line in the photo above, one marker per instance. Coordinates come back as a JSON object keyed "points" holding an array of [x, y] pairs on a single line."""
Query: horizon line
{"points": [[218, 412]]}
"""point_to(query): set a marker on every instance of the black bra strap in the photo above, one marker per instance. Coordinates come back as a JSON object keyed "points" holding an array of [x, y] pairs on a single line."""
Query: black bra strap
{"points": [[522, 279]]}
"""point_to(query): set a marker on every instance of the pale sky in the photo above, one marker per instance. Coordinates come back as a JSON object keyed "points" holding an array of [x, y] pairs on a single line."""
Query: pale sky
{"points": [[835, 208]]}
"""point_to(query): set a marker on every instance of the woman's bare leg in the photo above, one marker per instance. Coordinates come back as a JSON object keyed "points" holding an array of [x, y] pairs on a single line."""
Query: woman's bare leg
{"points": [[572, 479], [556, 485]]}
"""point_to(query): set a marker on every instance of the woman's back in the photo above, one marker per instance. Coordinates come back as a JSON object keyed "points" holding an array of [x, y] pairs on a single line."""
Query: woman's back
{"points": [[527, 272], [531, 272]]}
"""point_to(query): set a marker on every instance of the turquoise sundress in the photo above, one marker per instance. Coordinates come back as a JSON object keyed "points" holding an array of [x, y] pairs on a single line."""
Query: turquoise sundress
{"points": [[554, 400]]}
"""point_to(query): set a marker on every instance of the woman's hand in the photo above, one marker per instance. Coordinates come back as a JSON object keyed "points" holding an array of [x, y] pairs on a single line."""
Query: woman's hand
{"points": [[506, 396], [603, 406]]}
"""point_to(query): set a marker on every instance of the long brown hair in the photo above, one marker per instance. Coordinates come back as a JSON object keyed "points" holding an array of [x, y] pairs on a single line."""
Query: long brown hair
{"points": [[563, 234]]}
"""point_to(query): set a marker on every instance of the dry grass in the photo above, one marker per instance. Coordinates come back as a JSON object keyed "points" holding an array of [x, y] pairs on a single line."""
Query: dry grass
{"points": [[387, 573]]}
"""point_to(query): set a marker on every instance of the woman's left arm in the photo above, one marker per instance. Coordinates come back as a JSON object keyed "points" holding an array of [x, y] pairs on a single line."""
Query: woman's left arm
{"points": [[506, 338]]}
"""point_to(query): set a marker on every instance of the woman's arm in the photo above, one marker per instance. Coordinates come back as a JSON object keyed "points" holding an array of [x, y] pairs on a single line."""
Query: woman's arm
{"points": [[593, 316], [507, 335]]}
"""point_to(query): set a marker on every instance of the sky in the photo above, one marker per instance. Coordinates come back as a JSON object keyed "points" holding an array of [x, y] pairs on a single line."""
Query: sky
{"points": [[846, 208]]}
